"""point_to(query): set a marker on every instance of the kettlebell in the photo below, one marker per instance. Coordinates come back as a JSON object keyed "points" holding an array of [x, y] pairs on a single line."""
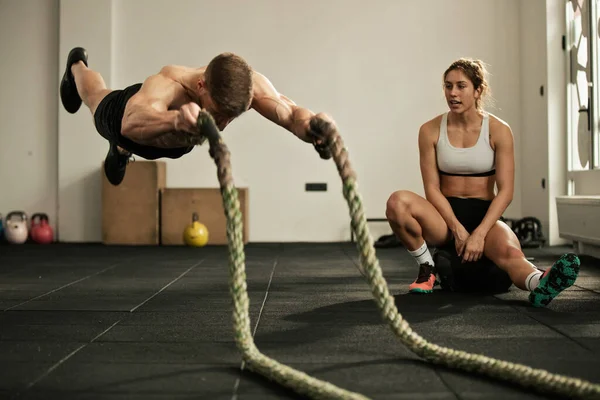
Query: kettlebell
{"points": [[196, 233], [15, 229], [41, 231]]}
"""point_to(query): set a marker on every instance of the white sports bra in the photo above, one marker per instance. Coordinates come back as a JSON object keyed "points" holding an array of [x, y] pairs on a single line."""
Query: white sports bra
{"points": [[478, 160]]}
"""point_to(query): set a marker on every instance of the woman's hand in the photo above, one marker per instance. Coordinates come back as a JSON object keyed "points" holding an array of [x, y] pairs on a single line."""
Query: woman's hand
{"points": [[473, 249]]}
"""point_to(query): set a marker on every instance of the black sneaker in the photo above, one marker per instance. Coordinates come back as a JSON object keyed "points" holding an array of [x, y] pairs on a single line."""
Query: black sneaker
{"points": [[115, 165], [68, 90]]}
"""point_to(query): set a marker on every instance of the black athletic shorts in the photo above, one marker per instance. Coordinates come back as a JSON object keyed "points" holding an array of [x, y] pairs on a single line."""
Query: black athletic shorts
{"points": [[107, 119], [482, 275]]}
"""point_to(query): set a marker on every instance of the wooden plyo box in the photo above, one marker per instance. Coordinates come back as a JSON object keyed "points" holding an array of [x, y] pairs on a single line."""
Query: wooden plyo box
{"points": [[178, 205], [130, 211]]}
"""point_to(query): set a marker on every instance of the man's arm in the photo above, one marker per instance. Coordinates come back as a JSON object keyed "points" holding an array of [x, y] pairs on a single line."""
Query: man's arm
{"points": [[505, 178], [280, 109], [147, 115]]}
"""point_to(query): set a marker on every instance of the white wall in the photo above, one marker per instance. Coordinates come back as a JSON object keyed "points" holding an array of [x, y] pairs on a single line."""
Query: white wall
{"points": [[544, 118], [376, 70], [81, 150], [534, 112], [557, 114], [28, 108]]}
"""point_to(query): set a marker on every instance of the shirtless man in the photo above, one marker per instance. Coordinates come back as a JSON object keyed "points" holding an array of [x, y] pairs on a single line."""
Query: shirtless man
{"points": [[157, 118], [464, 154]]}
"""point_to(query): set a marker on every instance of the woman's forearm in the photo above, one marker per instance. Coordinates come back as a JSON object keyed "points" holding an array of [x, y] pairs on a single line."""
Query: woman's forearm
{"points": [[498, 206]]}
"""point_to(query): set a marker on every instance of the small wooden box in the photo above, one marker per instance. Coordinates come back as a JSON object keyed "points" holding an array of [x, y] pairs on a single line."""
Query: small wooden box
{"points": [[130, 211], [178, 205]]}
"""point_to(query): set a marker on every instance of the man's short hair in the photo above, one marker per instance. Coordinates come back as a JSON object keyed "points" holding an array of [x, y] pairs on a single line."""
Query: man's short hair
{"points": [[229, 82]]}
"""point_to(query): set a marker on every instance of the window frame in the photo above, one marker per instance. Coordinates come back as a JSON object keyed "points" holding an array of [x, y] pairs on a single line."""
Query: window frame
{"points": [[590, 12]]}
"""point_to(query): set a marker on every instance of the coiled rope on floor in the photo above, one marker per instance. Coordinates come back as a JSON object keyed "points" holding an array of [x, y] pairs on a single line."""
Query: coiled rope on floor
{"points": [[536, 379]]}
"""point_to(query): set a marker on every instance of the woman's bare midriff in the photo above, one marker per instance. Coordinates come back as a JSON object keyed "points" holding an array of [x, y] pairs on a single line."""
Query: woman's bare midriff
{"points": [[479, 187]]}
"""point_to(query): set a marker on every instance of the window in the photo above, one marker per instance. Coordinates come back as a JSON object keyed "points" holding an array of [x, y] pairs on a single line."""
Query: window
{"points": [[583, 50]]}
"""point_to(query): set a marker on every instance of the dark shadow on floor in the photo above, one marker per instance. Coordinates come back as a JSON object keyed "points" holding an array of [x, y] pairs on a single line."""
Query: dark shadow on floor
{"points": [[332, 321], [474, 376]]}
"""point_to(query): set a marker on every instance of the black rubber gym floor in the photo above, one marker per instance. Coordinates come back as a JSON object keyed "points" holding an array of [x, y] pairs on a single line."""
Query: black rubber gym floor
{"points": [[96, 322]]}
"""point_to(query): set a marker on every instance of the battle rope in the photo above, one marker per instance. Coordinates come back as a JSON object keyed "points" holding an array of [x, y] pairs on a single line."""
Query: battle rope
{"points": [[538, 379]]}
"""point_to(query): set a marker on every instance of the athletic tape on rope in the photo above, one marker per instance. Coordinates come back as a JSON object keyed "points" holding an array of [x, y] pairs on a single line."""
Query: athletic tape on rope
{"points": [[536, 379]]}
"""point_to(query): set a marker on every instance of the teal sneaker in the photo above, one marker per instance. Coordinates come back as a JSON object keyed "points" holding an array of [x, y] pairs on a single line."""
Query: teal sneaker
{"points": [[555, 279]]}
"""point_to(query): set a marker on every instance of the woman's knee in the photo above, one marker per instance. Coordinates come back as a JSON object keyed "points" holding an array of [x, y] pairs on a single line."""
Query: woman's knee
{"points": [[512, 252], [504, 252], [398, 205]]}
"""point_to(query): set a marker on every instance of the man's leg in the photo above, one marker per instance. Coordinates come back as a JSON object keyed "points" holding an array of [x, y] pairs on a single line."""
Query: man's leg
{"points": [[503, 248], [82, 84], [92, 89], [416, 222], [79, 83], [90, 85]]}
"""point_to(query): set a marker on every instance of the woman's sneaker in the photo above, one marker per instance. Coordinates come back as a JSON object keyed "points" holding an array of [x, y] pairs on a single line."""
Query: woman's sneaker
{"points": [[555, 279], [425, 281]]}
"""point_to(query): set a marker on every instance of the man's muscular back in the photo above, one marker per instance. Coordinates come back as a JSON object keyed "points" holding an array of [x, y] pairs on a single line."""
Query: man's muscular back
{"points": [[153, 111], [166, 89]]}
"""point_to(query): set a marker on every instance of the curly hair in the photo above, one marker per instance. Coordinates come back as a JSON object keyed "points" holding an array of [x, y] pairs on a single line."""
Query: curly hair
{"points": [[476, 72]]}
